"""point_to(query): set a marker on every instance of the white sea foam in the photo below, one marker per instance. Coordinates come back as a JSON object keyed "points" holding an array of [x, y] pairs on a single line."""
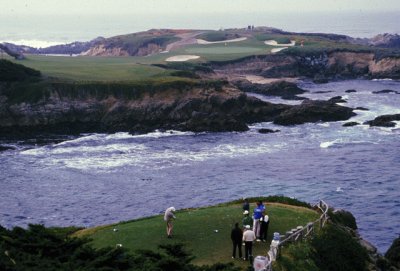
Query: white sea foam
{"points": [[98, 157], [34, 152], [34, 43], [383, 79], [324, 124], [327, 144], [159, 134], [109, 148], [84, 138]]}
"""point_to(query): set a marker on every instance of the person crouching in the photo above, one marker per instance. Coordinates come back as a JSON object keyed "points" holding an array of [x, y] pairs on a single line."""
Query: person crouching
{"points": [[169, 217]]}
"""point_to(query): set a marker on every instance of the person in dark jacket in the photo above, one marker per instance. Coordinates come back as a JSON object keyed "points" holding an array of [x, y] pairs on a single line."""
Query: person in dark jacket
{"points": [[236, 236], [264, 228], [246, 205]]}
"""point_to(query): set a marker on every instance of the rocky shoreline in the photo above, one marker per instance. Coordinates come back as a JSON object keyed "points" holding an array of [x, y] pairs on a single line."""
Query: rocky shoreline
{"points": [[77, 108]]}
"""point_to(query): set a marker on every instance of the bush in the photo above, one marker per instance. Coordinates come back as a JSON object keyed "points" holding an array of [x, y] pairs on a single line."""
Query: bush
{"points": [[393, 253], [336, 250], [10, 71], [42, 249], [188, 74], [218, 36], [277, 199], [296, 257], [38, 248], [342, 217]]}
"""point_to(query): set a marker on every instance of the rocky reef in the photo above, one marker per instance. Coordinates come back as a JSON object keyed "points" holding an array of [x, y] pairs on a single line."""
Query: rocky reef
{"points": [[283, 89], [314, 111], [384, 120], [44, 107]]}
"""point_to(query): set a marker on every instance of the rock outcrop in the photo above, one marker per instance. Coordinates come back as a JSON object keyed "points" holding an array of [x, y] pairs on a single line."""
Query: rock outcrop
{"points": [[319, 66], [314, 111], [283, 89], [195, 106], [65, 108], [15, 54], [386, 40], [101, 50], [384, 120]]}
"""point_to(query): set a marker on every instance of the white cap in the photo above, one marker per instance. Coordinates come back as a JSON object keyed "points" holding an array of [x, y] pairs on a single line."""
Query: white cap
{"points": [[246, 212]]}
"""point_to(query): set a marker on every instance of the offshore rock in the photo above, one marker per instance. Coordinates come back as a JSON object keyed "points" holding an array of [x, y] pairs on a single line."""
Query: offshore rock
{"points": [[283, 89], [384, 121], [314, 111], [350, 124], [267, 131]]}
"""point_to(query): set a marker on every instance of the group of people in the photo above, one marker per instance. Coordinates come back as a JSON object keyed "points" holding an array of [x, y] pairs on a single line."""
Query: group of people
{"points": [[254, 228]]}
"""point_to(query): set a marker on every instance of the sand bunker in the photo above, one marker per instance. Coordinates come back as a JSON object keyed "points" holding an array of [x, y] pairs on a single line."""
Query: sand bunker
{"points": [[200, 41], [274, 43], [275, 50], [262, 80], [180, 58]]}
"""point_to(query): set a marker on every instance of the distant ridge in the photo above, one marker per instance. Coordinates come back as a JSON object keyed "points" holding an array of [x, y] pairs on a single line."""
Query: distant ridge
{"points": [[157, 40]]}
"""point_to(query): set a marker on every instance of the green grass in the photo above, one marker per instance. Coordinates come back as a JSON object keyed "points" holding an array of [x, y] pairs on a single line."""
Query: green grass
{"points": [[118, 69], [85, 68], [280, 39], [228, 51], [195, 228], [218, 35]]}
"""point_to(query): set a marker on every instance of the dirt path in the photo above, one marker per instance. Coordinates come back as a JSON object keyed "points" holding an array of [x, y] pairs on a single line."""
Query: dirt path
{"points": [[185, 39]]}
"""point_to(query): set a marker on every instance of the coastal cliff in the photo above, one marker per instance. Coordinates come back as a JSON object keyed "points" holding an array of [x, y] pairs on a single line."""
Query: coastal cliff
{"points": [[321, 66], [180, 104]]}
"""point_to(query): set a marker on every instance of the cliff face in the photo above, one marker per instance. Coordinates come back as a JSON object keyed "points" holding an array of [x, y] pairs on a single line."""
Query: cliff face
{"points": [[386, 67], [201, 106], [101, 50], [195, 108], [336, 65]]}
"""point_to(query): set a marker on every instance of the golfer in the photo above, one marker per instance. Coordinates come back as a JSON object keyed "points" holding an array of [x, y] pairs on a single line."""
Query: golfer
{"points": [[169, 217]]}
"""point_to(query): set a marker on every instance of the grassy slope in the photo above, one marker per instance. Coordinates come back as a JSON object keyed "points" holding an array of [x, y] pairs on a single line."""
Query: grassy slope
{"points": [[93, 68], [86, 68], [196, 229]]}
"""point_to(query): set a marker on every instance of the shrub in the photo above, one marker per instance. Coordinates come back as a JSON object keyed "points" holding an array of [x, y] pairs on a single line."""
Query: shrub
{"points": [[188, 74], [393, 253], [296, 257], [278, 199], [343, 218], [10, 71], [336, 250], [44, 249]]}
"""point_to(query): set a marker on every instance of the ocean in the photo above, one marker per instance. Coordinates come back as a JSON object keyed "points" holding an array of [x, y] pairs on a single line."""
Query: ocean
{"points": [[42, 31], [96, 179]]}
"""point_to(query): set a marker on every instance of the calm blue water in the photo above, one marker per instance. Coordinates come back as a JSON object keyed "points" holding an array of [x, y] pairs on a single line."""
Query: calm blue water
{"points": [[98, 178], [42, 30]]}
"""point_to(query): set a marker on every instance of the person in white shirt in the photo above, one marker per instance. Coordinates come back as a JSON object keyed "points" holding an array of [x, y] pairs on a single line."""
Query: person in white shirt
{"points": [[169, 217], [248, 237]]}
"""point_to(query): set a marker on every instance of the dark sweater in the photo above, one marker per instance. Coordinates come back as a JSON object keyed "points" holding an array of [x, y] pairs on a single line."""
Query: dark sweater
{"points": [[236, 235]]}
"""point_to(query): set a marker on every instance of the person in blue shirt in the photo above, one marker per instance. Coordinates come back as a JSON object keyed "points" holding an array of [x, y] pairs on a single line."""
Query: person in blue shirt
{"points": [[258, 213]]}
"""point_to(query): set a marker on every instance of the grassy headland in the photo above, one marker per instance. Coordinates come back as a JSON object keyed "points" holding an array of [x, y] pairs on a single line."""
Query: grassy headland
{"points": [[196, 229]]}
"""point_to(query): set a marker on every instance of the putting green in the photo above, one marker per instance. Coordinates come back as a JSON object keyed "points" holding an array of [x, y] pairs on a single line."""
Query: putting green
{"points": [[222, 50]]}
